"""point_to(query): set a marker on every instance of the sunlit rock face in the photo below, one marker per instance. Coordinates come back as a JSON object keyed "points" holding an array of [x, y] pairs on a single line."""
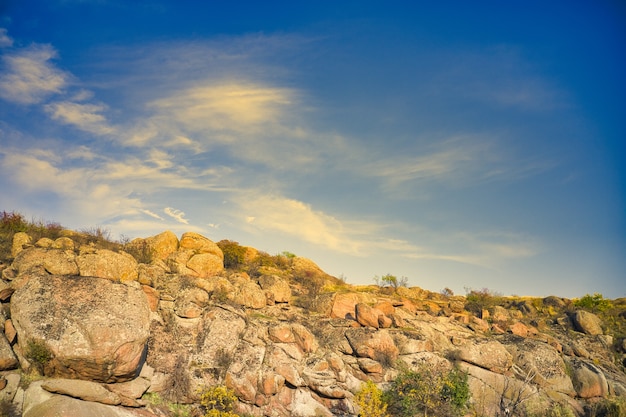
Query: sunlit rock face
{"points": [[93, 328]]}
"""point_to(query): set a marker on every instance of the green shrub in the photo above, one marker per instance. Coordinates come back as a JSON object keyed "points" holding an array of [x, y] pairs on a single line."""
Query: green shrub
{"points": [[38, 354], [430, 391], [608, 407], [8, 409], [595, 303], [234, 254], [369, 401], [12, 223], [391, 281], [218, 401], [478, 300]]}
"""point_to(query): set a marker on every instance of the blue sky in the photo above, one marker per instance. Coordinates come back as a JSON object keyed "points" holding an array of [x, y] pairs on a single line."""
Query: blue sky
{"points": [[461, 145]]}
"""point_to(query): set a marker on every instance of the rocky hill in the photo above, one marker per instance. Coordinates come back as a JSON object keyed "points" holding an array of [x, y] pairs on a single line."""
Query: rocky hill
{"points": [[149, 327]]}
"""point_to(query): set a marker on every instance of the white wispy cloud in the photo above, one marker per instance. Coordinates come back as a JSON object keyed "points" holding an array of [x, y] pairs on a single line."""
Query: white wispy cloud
{"points": [[297, 219], [94, 183], [29, 75], [85, 116], [151, 214], [231, 106], [78, 188], [176, 214], [440, 164], [5, 40]]}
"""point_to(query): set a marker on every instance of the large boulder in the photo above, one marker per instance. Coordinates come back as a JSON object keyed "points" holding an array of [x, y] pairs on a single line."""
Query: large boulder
{"points": [[20, 239], [196, 256], [162, 245], [277, 287], [587, 322], [249, 294], [344, 305], [487, 354], [367, 316], [200, 244], [53, 261], [84, 390], [63, 406], [90, 328], [205, 265], [589, 380], [369, 343], [190, 302], [103, 263]]}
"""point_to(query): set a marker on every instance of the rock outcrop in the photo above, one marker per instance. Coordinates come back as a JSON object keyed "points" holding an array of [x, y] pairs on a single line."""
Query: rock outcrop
{"points": [[104, 328], [81, 327], [104, 263]]}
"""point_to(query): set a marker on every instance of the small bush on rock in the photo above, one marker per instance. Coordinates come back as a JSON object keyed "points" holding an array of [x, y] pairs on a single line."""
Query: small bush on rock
{"points": [[178, 383], [369, 401], [8, 409], [430, 391], [218, 401], [560, 410], [478, 300], [608, 407], [38, 354], [233, 253]]}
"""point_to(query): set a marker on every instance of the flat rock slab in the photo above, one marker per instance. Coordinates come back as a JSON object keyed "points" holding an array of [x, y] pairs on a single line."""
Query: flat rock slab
{"points": [[84, 390]]}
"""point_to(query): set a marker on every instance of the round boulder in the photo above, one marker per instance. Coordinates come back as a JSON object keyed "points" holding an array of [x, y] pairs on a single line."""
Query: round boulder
{"points": [[587, 322], [89, 328]]}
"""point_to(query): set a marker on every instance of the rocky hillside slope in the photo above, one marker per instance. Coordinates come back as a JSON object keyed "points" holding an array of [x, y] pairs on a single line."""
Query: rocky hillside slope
{"points": [[141, 329]]}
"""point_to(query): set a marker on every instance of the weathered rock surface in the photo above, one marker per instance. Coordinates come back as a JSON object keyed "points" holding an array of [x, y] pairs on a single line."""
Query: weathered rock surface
{"points": [[20, 239], [188, 324], [63, 406], [83, 390], [162, 245], [367, 316], [53, 261], [588, 380], [487, 354], [98, 333], [541, 363], [104, 263], [344, 305], [278, 287], [249, 294], [8, 360], [587, 322]]}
